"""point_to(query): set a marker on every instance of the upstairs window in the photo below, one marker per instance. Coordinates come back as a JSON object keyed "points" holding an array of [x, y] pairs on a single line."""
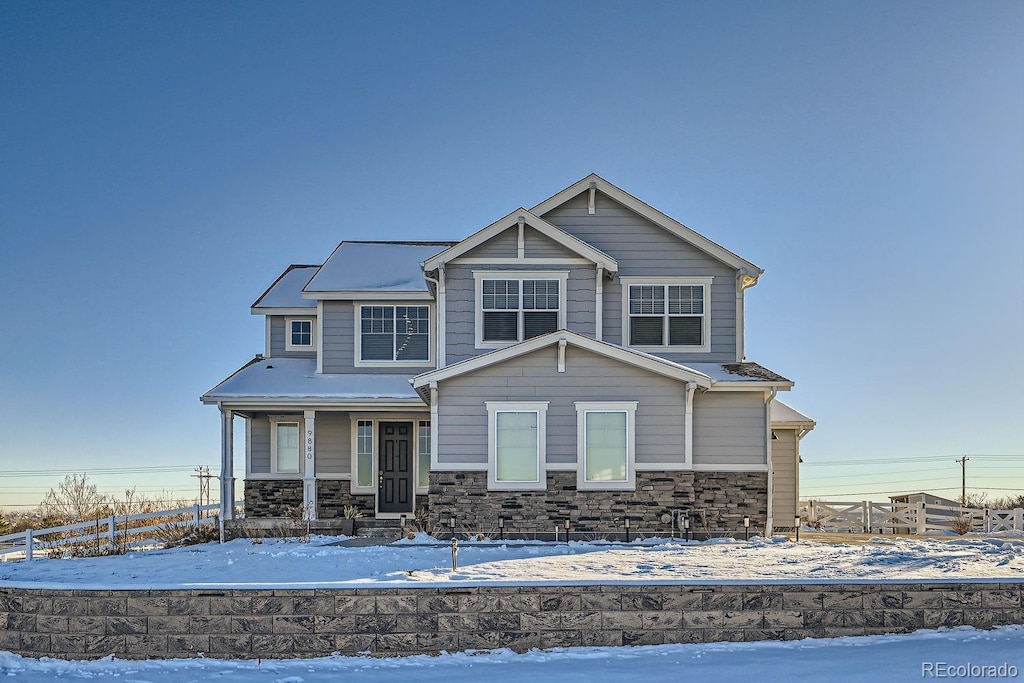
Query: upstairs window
{"points": [[394, 334], [668, 316], [299, 334], [516, 308]]}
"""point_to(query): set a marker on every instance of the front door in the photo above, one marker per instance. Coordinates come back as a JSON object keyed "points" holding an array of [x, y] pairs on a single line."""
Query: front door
{"points": [[394, 480]]}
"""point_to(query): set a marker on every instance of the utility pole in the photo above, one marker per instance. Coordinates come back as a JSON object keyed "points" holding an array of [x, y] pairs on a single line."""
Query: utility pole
{"points": [[204, 476], [963, 480]]}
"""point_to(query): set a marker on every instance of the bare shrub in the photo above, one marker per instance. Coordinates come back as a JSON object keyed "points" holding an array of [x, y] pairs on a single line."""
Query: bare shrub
{"points": [[74, 500], [962, 524]]}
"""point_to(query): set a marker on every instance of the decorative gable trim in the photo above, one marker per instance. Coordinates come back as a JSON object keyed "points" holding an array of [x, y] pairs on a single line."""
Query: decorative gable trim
{"points": [[561, 338], [594, 181], [573, 244]]}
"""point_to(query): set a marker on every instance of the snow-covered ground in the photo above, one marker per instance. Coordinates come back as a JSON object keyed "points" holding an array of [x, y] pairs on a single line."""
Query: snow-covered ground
{"points": [[320, 563], [910, 657]]}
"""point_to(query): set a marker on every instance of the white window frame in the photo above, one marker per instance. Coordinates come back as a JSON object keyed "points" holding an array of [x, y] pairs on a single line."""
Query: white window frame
{"points": [[582, 409], [562, 276], [288, 346], [495, 407], [705, 282], [358, 330], [420, 424], [300, 424]]}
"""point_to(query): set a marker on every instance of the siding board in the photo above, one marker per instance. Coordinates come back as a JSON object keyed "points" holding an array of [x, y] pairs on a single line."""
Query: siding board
{"points": [[729, 428]]}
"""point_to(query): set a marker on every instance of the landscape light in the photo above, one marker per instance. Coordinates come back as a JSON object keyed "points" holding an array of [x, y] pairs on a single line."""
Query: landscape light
{"points": [[627, 529], [796, 525], [501, 527], [746, 527]]}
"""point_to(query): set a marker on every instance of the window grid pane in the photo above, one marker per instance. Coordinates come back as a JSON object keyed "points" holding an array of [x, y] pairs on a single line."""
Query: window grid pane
{"points": [[540, 295], [685, 300], [423, 478], [501, 295], [302, 333], [666, 315], [516, 447], [391, 333], [646, 300], [364, 448]]}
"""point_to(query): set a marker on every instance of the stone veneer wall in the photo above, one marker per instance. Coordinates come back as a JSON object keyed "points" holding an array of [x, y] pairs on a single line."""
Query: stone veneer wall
{"points": [[248, 624], [334, 495], [272, 497], [722, 497]]}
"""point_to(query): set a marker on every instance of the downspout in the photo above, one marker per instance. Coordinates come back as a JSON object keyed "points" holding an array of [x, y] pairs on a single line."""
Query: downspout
{"points": [[442, 360], [599, 310], [433, 425], [691, 387], [768, 459]]}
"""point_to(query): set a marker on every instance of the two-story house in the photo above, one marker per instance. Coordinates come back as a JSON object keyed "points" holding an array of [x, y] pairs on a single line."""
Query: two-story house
{"points": [[581, 360]]}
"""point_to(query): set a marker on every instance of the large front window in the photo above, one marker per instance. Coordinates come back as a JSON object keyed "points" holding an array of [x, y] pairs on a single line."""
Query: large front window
{"points": [[606, 443], [285, 446], [668, 316], [394, 333], [516, 445], [513, 307]]}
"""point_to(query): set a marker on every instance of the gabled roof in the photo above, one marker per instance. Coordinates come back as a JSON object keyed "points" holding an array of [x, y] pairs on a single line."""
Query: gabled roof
{"points": [[628, 356], [286, 292], [555, 233], [285, 381], [357, 268], [657, 217], [786, 416]]}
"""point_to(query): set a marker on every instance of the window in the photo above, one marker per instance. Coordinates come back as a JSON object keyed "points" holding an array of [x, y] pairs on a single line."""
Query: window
{"points": [[299, 333], [364, 453], [606, 440], [516, 446], [514, 307], [670, 316], [423, 466], [284, 447], [394, 334]]}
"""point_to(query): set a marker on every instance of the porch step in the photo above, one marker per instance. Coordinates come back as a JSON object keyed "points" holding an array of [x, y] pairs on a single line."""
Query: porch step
{"points": [[389, 529]]}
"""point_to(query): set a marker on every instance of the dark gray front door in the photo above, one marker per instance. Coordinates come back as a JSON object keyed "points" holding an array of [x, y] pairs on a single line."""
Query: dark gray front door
{"points": [[394, 481]]}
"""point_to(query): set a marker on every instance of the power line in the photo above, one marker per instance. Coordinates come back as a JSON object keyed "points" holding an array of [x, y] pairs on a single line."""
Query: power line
{"points": [[906, 459]]}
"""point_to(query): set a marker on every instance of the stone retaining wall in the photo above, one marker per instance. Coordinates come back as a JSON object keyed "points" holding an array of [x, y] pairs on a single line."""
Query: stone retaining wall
{"points": [[85, 624], [720, 499]]}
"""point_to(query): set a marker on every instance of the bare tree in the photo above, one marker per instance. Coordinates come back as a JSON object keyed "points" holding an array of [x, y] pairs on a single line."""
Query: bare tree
{"points": [[75, 500]]}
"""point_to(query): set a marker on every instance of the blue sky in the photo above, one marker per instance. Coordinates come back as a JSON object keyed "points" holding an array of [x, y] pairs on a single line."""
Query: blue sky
{"points": [[163, 162]]}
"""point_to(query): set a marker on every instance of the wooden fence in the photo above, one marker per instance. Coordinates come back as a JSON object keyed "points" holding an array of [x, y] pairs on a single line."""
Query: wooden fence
{"points": [[907, 518], [105, 532]]}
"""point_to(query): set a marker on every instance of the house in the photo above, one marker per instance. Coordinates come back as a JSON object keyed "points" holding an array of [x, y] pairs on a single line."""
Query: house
{"points": [[580, 360]]}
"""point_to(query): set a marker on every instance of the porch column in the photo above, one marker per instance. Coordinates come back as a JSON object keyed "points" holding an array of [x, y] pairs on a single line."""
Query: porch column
{"points": [[227, 457], [309, 468]]}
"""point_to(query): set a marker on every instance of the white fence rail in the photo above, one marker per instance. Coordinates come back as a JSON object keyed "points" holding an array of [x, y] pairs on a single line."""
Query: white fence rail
{"points": [[907, 518], [104, 531]]}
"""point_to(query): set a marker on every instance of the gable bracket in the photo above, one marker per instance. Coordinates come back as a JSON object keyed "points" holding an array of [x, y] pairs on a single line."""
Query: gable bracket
{"points": [[521, 244], [561, 354], [591, 207]]}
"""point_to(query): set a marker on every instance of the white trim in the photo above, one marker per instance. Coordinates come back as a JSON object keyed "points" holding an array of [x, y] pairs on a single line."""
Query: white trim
{"points": [[358, 341], [442, 319], [319, 338], [553, 232], [366, 295], [460, 467], [584, 408], [704, 282], [730, 467], [307, 451], [531, 261], [299, 422], [561, 276], [636, 358], [267, 353], [417, 489], [650, 213], [662, 467], [599, 304], [311, 346], [540, 408], [753, 385], [262, 403], [691, 388], [227, 464], [356, 488], [298, 311]]}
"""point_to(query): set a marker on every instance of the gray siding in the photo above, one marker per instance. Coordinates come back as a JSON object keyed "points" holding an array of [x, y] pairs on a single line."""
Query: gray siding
{"points": [[462, 429], [461, 305], [333, 443], [643, 249], [259, 444], [340, 342], [277, 339], [538, 245], [729, 428], [503, 245], [784, 476]]}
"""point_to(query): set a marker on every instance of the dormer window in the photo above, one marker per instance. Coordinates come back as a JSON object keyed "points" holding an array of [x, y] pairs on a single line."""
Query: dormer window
{"points": [[670, 314], [516, 306], [299, 334]]}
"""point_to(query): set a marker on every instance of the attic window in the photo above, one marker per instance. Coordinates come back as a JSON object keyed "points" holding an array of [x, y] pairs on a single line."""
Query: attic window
{"points": [[299, 333]]}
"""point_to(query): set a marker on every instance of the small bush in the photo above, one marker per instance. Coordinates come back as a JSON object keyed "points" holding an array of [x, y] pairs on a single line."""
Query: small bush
{"points": [[963, 524]]}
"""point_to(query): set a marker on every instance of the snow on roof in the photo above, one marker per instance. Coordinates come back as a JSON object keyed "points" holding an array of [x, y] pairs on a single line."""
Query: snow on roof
{"points": [[296, 378], [782, 413], [737, 372], [375, 266], [286, 292]]}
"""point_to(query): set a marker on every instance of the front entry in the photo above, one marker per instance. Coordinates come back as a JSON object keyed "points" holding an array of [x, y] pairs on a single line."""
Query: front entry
{"points": [[394, 478]]}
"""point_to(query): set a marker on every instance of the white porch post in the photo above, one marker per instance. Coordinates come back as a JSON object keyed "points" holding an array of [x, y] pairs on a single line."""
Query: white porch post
{"points": [[309, 468], [227, 457]]}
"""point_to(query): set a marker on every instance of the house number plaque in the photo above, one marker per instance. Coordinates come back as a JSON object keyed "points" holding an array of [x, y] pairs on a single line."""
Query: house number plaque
{"points": [[309, 444]]}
